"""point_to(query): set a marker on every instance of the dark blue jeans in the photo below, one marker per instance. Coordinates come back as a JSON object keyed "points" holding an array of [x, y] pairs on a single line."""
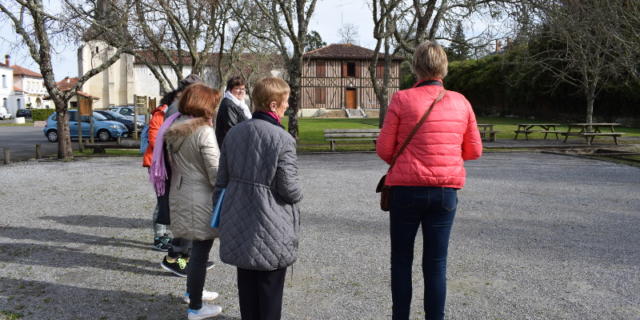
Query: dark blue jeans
{"points": [[434, 208]]}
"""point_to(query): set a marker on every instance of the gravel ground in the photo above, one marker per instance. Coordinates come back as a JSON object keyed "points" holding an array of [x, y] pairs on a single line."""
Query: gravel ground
{"points": [[537, 236]]}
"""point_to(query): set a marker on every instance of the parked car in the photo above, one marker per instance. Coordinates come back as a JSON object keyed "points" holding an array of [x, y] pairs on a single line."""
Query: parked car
{"points": [[23, 113], [127, 112], [4, 114], [103, 129], [114, 116]]}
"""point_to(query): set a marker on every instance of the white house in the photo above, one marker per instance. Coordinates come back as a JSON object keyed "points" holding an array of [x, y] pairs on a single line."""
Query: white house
{"points": [[28, 90], [125, 78], [6, 85]]}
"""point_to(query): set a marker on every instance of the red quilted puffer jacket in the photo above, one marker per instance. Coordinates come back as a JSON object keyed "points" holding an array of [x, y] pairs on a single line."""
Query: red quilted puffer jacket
{"points": [[435, 156]]}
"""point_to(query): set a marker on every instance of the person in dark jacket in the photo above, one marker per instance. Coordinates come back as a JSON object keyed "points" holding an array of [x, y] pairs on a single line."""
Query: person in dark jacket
{"points": [[233, 109], [260, 219]]}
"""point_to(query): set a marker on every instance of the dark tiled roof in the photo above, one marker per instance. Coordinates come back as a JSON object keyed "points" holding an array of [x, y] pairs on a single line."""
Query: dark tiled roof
{"points": [[68, 83], [22, 71], [343, 51]]}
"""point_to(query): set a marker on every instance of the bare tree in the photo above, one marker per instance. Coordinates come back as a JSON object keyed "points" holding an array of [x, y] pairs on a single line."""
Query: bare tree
{"points": [[38, 28], [288, 23], [575, 44], [383, 31], [348, 33], [400, 25], [179, 33]]}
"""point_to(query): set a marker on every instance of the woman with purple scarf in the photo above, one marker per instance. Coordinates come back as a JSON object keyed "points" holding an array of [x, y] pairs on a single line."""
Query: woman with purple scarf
{"points": [[186, 142]]}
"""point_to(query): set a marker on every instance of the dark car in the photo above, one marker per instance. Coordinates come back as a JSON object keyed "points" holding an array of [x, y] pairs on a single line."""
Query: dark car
{"points": [[114, 116], [23, 113]]}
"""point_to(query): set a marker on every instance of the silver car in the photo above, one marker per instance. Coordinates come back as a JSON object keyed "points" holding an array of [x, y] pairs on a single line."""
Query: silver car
{"points": [[127, 112]]}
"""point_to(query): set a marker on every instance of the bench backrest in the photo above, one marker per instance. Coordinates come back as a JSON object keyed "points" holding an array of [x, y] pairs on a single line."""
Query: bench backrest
{"points": [[351, 133]]}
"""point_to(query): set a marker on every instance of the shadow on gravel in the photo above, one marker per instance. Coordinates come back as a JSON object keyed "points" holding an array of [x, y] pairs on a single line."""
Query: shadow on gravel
{"points": [[55, 235], [43, 300], [71, 258], [100, 221]]}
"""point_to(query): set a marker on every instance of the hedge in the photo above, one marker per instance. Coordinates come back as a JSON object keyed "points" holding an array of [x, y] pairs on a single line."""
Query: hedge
{"points": [[41, 114], [499, 85]]}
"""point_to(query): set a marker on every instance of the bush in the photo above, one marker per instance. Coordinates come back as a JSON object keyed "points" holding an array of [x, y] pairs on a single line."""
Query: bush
{"points": [[41, 114]]}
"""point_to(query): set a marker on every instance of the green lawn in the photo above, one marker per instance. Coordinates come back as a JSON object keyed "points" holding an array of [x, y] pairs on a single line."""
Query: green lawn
{"points": [[507, 126], [312, 139]]}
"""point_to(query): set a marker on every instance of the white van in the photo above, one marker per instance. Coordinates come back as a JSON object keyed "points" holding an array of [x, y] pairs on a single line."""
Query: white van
{"points": [[4, 114]]}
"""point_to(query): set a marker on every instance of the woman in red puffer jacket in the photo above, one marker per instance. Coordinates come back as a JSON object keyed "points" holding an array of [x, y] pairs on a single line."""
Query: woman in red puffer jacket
{"points": [[426, 176]]}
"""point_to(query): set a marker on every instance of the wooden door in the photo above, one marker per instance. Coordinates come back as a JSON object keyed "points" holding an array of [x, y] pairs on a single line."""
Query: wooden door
{"points": [[351, 98]]}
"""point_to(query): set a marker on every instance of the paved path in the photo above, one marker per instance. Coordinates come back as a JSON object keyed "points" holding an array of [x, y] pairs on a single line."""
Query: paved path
{"points": [[22, 141], [537, 236]]}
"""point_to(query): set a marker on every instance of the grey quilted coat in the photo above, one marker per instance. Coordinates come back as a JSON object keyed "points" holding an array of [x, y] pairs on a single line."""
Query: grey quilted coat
{"points": [[259, 220], [193, 155]]}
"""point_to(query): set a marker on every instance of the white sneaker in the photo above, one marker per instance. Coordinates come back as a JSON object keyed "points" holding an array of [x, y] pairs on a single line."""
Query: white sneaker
{"points": [[206, 296], [207, 311]]}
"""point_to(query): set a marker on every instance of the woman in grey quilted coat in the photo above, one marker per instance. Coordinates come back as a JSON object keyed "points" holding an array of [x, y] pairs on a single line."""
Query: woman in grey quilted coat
{"points": [[259, 219], [193, 155]]}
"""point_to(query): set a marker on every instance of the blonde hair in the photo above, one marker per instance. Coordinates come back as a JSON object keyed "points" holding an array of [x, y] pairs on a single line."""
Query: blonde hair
{"points": [[267, 90], [430, 61]]}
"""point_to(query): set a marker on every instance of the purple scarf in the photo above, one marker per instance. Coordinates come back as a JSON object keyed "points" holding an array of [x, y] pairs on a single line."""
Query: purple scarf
{"points": [[158, 171]]}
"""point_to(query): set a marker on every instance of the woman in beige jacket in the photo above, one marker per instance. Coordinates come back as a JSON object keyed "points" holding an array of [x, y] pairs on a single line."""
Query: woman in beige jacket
{"points": [[193, 157]]}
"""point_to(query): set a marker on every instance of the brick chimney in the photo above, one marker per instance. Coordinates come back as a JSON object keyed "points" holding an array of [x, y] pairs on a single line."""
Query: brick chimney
{"points": [[7, 59]]}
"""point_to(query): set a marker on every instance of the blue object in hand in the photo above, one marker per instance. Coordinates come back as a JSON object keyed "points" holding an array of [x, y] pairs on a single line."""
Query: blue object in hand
{"points": [[215, 219]]}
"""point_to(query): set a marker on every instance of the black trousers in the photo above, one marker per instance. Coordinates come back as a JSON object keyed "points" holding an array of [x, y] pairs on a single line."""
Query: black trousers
{"points": [[260, 294], [197, 272], [180, 247]]}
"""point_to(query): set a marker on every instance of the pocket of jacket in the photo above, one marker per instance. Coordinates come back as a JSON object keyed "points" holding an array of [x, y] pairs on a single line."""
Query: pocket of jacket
{"points": [[179, 186]]}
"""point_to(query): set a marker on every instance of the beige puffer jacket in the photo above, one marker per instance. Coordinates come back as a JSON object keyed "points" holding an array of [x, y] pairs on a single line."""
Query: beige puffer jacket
{"points": [[193, 155]]}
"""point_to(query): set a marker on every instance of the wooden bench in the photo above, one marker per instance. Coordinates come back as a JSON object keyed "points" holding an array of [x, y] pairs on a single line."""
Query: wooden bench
{"points": [[487, 132], [529, 128], [590, 136], [333, 135], [118, 144]]}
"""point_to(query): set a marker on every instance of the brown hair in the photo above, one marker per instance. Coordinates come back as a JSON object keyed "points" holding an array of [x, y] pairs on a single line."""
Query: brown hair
{"points": [[198, 100], [430, 61], [267, 90]]}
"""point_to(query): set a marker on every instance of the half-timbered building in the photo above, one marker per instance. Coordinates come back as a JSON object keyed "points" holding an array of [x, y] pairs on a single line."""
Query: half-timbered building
{"points": [[337, 77]]}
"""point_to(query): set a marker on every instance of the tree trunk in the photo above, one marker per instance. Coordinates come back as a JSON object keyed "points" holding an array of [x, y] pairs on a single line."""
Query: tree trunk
{"points": [[65, 151], [295, 74], [591, 97]]}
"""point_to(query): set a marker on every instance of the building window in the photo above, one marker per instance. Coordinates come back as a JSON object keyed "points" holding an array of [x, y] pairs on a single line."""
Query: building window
{"points": [[380, 70], [19, 103], [321, 95], [97, 50], [321, 70], [349, 69], [4, 81], [4, 102]]}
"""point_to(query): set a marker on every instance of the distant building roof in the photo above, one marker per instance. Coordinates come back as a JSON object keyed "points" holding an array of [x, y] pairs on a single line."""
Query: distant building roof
{"points": [[344, 52], [22, 71], [67, 83], [17, 89]]}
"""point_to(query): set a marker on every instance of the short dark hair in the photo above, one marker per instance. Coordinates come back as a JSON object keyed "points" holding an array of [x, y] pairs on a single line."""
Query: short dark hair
{"points": [[235, 81], [169, 97]]}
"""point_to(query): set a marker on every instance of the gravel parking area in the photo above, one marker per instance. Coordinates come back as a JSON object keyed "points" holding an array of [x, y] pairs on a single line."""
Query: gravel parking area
{"points": [[536, 236]]}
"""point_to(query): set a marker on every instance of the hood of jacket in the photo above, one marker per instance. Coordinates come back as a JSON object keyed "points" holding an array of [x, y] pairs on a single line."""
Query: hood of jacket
{"points": [[182, 129]]}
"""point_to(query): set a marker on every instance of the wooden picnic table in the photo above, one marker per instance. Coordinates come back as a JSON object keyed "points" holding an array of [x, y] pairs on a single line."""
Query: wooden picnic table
{"points": [[528, 128], [592, 130], [487, 132]]}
